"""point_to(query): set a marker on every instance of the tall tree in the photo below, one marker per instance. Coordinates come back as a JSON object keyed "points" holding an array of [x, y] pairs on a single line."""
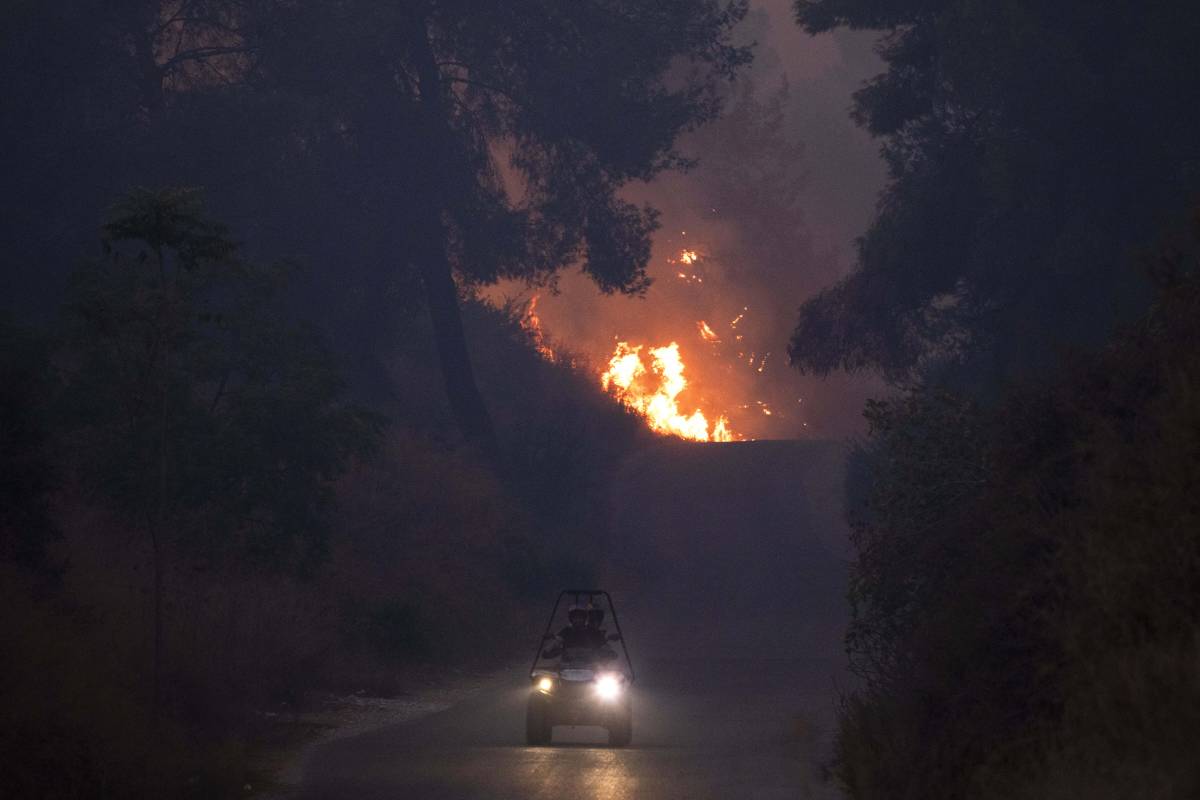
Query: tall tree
{"points": [[87, 87], [515, 126], [204, 416], [463, 140], [1031, 146]]}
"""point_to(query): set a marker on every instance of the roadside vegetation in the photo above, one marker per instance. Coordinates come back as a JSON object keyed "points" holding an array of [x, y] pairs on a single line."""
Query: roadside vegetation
{"points": [[200, 526], [1026, 611]]}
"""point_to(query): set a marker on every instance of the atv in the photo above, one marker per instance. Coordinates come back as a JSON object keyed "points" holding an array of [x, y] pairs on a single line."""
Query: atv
{"points": [[574, 684]]}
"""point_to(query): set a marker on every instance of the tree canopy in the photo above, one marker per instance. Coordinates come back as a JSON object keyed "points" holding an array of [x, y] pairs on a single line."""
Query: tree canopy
{"points": [[1031, 148], [194, 404], [506, 132], [425, 146]]}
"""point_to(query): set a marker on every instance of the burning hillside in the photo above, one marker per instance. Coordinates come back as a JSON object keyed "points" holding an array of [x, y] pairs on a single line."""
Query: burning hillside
{"points": [[647, 380], [650, 376], [698, 356]]}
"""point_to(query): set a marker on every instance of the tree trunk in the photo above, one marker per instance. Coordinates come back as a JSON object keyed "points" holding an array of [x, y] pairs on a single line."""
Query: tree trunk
{"points": [[441, 293], [160, 505], [470, 412]]}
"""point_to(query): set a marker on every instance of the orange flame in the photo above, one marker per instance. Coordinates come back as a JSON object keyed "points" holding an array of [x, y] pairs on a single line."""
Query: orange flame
{"points": [[707, 333], [631, 381], [688, 258], [532, 325]]}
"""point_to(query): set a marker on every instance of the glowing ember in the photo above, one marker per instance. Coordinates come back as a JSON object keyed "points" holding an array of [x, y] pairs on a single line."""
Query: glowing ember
{"points": [[532, 325], [687, 258], [652, 389], [707, 333]]}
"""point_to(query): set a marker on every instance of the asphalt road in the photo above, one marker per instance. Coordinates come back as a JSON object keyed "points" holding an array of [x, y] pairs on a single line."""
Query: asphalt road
{"points": [[750, 728]]}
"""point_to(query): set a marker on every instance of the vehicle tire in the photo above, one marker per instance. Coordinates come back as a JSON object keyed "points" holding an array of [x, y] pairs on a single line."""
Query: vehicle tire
{"points": [[620, 728], [537, 722]]}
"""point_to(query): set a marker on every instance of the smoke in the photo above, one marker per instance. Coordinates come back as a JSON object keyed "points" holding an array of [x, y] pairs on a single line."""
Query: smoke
{"points": [[784, 184]]}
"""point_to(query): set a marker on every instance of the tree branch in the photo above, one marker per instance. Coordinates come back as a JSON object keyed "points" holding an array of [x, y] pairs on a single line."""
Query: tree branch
{"points": [[203, 53]]}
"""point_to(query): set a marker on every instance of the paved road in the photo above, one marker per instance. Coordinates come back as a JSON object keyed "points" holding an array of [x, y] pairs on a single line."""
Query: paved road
{"points": [[743, 729]]}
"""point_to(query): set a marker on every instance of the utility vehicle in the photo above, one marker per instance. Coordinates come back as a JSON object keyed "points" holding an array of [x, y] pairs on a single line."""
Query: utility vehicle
{"points": [[578, 677]]}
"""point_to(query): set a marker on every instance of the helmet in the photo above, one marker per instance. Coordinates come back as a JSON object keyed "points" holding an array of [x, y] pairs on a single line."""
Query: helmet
{"points": [[595, 617]]}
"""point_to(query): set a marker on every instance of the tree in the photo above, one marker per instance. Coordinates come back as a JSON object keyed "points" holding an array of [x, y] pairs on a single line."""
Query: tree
{"points": [[195, 407], [1030, 146], [459, 140], [88, 85], [1024, 589], [515, 127]]}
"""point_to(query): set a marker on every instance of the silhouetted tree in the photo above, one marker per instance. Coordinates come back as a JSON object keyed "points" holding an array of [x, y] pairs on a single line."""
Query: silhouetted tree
{"points": [[515, 126], [1026, 610], [461, 140], [205, 417], [1031, 146]]}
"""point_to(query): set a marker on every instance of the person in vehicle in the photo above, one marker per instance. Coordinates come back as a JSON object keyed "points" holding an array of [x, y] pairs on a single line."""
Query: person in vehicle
{"points": [[575, 636], [597, 636]]}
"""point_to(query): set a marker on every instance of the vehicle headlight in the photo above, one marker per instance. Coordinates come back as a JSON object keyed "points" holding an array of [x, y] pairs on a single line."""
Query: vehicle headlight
{"points": [[545, 684], [608, 687]]}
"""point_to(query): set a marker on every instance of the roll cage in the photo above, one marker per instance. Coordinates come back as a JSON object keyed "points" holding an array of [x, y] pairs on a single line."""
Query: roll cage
{"points": [[588, 596]]}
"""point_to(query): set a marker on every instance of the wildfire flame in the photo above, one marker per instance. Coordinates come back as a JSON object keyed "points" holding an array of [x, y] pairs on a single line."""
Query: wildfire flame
{"points": [[533, 326], [652, 389], [649, 380], [688, 258]]}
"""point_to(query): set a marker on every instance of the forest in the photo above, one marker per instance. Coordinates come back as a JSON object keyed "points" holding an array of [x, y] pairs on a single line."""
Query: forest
{"points": [[265, 434]]}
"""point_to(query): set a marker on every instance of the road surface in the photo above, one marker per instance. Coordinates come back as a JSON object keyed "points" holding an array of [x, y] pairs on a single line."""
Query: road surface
{"points": [[739, 728]]}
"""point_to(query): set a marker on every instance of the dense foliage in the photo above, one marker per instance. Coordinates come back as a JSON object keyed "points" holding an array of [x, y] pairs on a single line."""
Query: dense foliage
{"points": [[414, 145], [1027, 612], [198, 525], [190, 399], [1031, 147]]}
